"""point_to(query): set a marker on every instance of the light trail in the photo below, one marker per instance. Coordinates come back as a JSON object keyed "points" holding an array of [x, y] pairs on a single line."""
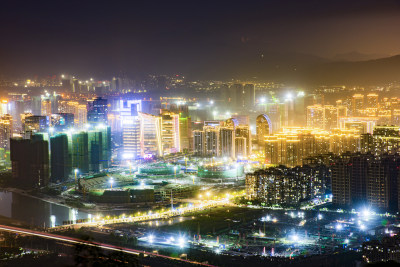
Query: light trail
{"points": [[94, 244]]}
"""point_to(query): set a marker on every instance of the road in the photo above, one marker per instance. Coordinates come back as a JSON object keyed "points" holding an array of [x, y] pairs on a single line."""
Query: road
{"points": [[148, 216], [100, 245]]}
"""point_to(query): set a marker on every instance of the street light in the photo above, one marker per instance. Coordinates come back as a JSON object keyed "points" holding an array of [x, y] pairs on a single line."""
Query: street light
{"points": [[130, 167], [111, 181], [76, 173]]}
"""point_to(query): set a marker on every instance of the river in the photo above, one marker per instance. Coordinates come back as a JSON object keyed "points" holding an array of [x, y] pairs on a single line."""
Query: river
{"points": [[35, 211]]}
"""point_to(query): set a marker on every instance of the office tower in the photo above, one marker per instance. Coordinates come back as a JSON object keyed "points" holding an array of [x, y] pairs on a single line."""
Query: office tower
{"points": [[227, 143], [372, 100], [199, 143], [150, 135], [97, 110], [6, 130], [36, 123], [249, 97], [130, 124], [30, 162], [62, 121], [263, 128], [60, 160], [211, 144], [170, 138], [357, 104]]}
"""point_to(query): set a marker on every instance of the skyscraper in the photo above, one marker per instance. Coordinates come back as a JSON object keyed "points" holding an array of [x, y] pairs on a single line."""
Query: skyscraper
{"points": [[263, 128], [170, 133], [150, 135], [97, 110]]}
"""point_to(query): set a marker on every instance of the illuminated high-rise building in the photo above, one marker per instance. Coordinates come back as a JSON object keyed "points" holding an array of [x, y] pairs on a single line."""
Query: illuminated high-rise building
{"points": [[211, 138], [36, 123], [150, 135], [80, 116], [170, 133], [241, 131], [46, 107], [263, 128], [6, 129], [227, 142], [315, 116], [199, 142], [372, 100], [386, 139], [330, 117], [185, 132], [62, 121], [97, 110], [342, 141], [130, 124], [357, 104]]}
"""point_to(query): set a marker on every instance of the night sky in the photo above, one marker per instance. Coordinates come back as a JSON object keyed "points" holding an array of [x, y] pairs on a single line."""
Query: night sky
{"points": [[106, 38]]}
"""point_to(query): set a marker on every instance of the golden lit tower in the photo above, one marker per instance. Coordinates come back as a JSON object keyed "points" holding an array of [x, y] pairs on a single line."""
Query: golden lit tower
{"points": [[357, 103], [263, 128]]}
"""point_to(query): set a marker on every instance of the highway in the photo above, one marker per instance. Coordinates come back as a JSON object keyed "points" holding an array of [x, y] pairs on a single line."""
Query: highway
{"points": [[100, 245]]}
